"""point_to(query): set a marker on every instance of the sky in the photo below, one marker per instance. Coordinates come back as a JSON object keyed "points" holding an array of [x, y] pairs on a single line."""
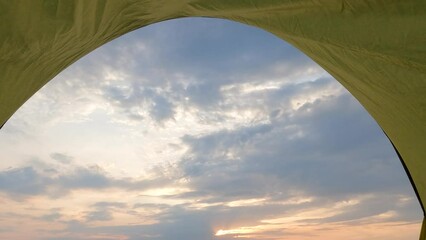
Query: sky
{"points": [[200, 129]]}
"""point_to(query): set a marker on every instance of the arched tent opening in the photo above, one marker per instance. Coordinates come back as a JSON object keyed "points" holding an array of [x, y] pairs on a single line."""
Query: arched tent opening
{"points": [[249, 91], [375, 50]]}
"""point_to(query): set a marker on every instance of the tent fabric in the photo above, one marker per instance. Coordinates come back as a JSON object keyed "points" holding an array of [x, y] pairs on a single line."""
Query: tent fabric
{"points": [[375, 48]]}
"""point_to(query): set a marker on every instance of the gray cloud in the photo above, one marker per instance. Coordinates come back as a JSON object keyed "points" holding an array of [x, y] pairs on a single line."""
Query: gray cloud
{"points": [[53, 216], [109, 204], [62, 158], [103, 211], [91, 178], [99, 215], [161, 109], [314, 151], [24, 182], [185, 222], [204, 95], [329, 160], [194, 68], [275, 162]]}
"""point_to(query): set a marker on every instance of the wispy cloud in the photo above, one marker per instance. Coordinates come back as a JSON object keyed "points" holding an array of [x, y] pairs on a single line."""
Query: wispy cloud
{"points": [[28, 181]]}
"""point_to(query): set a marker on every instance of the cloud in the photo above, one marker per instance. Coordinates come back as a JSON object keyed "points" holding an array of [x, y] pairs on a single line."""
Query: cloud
{"points": [[312, 151], [62, 158], [204, 95], [300, 154], [181, 226], [23, 182], [109, 205], [53, 216], [99, 215], [185, 222], [147, 77], [162, 109], [103, 211]]}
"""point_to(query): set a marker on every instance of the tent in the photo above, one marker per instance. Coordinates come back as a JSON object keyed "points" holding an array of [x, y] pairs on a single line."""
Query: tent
{"points": [[374, 48]]}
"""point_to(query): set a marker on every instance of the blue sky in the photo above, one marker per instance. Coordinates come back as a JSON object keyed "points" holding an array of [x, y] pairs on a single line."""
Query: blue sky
{"points": [[200, 129]]}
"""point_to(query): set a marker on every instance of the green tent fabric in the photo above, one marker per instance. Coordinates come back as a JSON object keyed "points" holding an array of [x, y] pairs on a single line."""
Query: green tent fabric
{"points": [[375, 48]]}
